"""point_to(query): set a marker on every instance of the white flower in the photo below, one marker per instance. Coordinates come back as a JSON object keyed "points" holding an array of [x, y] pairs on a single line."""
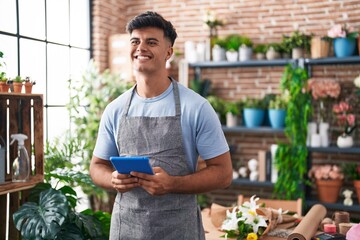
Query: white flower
{"points": [[357, 81], [256, 222], [231, 221]]}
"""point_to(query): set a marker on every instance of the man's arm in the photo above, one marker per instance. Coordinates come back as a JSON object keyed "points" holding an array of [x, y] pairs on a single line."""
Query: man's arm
{"points": [[216, 175]]}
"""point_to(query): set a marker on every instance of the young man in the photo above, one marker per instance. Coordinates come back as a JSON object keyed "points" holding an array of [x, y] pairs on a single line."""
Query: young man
{"points": [[173, 126]]}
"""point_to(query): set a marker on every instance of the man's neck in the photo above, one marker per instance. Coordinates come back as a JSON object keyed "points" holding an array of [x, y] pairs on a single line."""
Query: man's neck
{"points": [[151, 86]]}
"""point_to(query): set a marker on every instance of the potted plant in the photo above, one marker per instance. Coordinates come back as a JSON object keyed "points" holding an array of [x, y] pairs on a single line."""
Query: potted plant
{"points": [[273, 51], [29, 84], [328, 179], [245, 49], [299, 43], [320, 47], [233, 43], [344, 40], [345, 118], [232, 111], [254, 112], [4, 83], [260, 50], [352, 172], [218, 50], [17, 84], [277, 110]]}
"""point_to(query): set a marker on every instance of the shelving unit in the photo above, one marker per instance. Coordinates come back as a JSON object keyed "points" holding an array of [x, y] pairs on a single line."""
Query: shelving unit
{"points": [[20, 113], [307, 64]]}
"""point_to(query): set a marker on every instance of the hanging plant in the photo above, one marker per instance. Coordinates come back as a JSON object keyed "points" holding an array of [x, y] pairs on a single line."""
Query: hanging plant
{"points": [[291, 157]]}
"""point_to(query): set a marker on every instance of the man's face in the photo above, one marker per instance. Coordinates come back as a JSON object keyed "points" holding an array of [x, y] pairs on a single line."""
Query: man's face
{"points": [[149, 50]]}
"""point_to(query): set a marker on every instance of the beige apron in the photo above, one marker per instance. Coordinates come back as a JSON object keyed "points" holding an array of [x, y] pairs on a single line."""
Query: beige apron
{"points": [[137, 214]]}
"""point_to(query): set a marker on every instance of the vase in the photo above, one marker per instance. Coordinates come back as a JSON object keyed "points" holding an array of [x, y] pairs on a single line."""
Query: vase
{"points": [[345, 141], [324, 134], [232, 56], [17, 86], [357, 188], [253, 117], [328, 190], [320, 48], [231, 120], [297, 53], [277, 118], [272, 54], [344, 47], [245, 53], [218, 54], [28, 87]]}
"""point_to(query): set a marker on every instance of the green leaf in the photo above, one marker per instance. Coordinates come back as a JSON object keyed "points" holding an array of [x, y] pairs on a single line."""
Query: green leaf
{"points": [[42, 221]]}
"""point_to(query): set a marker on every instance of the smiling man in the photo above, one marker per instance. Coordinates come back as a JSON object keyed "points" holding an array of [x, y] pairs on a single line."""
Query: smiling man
{"points": [[173, 126]]}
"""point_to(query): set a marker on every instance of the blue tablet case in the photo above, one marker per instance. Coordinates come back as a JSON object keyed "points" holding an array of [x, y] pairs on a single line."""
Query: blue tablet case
{"points": [[125, 165]]}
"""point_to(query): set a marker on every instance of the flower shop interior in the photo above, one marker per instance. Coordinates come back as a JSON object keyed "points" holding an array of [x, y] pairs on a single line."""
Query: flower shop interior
{"points": [[299, 57]]}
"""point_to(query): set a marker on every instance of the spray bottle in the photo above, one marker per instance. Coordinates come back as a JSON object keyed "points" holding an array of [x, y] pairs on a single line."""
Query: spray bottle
{"points": [[21, 164]]}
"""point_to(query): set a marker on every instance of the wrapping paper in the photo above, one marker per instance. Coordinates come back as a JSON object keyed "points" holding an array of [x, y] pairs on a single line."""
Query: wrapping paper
{"points": [[309, 225]]}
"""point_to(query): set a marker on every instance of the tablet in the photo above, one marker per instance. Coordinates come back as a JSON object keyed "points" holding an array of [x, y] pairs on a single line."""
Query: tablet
{"points": [[125, 165]]}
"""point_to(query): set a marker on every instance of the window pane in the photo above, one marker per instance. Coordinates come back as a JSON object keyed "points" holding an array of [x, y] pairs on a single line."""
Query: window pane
{"points": [[58, 122], [32, 63], [79, 23], [10, 55], [58, 75], [58, 21], [79, 61], [32, 18], [8, 16]]}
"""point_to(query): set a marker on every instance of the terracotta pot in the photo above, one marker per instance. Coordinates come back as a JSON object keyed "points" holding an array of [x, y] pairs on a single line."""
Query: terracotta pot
{"points": [[17, 87], [328, 190], [28, 87], [357, 188]]}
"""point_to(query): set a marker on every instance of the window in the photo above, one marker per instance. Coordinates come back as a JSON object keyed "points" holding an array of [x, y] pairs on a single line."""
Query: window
{"points": [[49, 41]]}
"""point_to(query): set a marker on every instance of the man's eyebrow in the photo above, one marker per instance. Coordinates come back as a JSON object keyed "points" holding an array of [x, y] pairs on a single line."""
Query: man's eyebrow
{"points": [[152, 39]]}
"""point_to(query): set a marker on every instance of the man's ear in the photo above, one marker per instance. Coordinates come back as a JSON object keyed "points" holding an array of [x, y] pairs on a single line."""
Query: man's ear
{"points": [[169, 53]]}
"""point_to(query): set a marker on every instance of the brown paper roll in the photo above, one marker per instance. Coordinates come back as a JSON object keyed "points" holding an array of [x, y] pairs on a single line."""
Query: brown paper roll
{"points": [[309, 224]]}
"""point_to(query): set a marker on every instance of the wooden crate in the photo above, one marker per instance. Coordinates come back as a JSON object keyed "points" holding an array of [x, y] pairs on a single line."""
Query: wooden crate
{"points": [[20, 113]]}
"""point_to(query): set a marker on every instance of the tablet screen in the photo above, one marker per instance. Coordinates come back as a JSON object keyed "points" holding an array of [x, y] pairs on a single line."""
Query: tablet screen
{"points": [[125, 165]]}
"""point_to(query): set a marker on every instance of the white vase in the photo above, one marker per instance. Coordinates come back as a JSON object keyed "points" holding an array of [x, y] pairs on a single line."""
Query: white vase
{"points": [[218, 53], [245, 53], [232, 56], [324, 134], [231, 120], [345, 141]]}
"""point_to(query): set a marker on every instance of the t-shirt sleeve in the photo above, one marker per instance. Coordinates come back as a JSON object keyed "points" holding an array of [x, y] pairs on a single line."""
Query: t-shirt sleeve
{"points": [[210, 138], [105, 146]]}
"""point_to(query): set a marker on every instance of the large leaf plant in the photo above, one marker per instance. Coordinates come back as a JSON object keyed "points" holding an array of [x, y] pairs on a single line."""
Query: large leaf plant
{"points": [[291, 156], [50, 214]]}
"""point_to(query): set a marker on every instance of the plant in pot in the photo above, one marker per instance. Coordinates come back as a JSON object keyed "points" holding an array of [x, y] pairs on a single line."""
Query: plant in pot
{"points": [[344, 37], [352, 173], [329, 179], [245, 49], [233, 43], [299, 43], [17, 84], [277, 110], [232, 111], [219, 106], [4, 83], [260, 50], [50, 214], [273, 51], [346, 120], [218, 50], [320, 46], [254, 112], [29, 84]]}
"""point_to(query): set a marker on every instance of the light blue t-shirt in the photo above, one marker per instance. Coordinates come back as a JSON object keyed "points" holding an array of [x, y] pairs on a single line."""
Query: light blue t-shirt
{"points": [[201, 128]]}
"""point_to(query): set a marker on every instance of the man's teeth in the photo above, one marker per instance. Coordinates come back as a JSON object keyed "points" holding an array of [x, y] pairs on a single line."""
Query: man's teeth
{"points": [[142, 57]]}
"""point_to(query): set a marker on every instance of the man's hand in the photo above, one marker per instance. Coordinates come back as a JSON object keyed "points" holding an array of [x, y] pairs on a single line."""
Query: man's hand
{"points": [[158, 184], [123, 182]]}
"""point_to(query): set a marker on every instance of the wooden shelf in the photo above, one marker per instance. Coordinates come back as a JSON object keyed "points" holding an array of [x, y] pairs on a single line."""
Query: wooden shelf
{"points": [[10, 187]]}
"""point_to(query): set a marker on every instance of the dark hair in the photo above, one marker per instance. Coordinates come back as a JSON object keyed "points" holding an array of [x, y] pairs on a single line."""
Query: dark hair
{"points": [[152, 19]]}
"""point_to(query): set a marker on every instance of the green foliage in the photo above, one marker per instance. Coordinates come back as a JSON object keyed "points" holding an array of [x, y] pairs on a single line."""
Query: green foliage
{"points": [[274, 45], [351, 171], [279, 102], [297, 40], [50, 214], [254, 103], [260, 48], [18, 79], [201, 87], [221, 42], [291, 157], [232, 107], [233, 42], [217, 103]]}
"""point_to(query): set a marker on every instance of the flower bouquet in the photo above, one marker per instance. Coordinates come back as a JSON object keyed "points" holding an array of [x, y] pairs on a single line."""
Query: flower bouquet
{"points": [[342, 31], [344, 116], [344, 40]]}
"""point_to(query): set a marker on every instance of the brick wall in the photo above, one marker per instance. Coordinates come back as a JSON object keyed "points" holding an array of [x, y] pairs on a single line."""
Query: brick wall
{"points": [[262, 21]]}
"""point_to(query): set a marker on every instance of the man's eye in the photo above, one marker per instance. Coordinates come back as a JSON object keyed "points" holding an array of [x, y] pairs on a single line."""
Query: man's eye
{"points": [[134, 43], [152, 43]]}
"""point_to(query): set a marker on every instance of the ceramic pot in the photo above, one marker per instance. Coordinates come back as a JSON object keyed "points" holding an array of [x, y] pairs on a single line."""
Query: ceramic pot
{"points": [[328, 190], [277, 118], [253, 117], [344, 47], [272, 54], [17, 87], [232, 56], [297, 53], [28, 87], [260, 56], [319, 48], [231, 120], [357, 188], [245, 53], [218, 53], [345, 141]]}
